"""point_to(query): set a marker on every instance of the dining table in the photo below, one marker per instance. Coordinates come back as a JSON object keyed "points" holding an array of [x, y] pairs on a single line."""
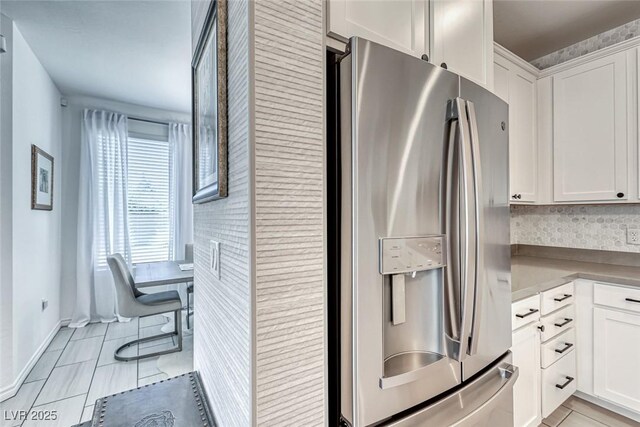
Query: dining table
{"points": [[161, 273]]}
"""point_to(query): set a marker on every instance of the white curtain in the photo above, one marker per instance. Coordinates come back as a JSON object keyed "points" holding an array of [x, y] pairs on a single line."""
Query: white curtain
{"points": [[182, 217], [103, 226]]}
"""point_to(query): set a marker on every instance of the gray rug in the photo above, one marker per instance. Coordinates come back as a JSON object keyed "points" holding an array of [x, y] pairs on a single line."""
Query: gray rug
{"points": [[176, 402]]}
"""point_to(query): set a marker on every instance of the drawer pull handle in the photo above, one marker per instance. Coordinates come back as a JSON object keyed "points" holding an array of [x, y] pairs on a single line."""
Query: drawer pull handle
{"points": [[562, 386], [567, 346], [566, 296], [566, 320], [632, 300], [531, 311]]}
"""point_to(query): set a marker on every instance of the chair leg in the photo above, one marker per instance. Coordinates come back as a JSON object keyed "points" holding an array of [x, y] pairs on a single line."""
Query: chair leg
{"points": [[178, 327], [188, 311], [177, 331]]}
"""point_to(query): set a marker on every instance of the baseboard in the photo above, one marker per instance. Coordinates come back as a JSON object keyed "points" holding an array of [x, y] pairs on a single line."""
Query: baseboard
{"points": [[608, 405], [65, 322], [11, 390]]}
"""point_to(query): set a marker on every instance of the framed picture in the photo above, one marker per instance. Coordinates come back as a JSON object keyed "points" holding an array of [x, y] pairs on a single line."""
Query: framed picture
{"points": [[41, 179], [209, 86]]}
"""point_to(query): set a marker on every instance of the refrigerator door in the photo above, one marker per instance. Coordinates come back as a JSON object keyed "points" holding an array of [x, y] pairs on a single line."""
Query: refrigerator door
{"points": [[489, 334], [394, 132], [487, 401]]}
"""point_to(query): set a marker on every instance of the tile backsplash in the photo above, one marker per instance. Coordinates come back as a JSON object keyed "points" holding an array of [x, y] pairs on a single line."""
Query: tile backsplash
{"points": [[601, 227], [602, 40]]}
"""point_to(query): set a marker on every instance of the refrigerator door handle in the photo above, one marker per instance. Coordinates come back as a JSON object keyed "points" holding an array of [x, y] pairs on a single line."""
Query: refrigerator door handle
{"points": [[479, 237], [466, 258]]}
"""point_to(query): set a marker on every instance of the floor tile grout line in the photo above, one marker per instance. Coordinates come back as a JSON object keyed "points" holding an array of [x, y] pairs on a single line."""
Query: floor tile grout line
{"points": [[93, 374], [591, 418], [566, 416], [48, 376], [60, 400]]}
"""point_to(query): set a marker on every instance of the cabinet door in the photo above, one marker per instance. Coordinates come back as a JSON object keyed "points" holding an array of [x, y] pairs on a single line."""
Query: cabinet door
{"points": [[462, 38], [399, 24], [615, 357], [526, 391], [590, 131], [523, 147], [501, 78]]}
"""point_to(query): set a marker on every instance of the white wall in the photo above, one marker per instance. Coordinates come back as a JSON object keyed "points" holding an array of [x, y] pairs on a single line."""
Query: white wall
{"points": [[70, 177], [223, 307], [35, 251], [6, 213]]}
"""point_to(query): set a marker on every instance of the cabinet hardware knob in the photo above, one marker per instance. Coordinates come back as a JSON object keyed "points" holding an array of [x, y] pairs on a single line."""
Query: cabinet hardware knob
{"points": [[444, 65], [531, 311], [569, 380], [425, 57], [620, 195], [519, 196], [541, 327], [566, 321]]}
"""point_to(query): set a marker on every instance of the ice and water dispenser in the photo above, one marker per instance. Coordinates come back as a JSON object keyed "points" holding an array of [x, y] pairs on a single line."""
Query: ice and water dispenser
{"points": [[413, 305]]}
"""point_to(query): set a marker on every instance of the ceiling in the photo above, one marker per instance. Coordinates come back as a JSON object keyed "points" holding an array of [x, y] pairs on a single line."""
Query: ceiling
{"points": [[534, 28], [133, 51]]}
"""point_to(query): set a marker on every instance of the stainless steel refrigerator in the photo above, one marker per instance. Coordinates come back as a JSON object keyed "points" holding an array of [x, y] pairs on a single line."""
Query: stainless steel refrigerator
{"points": [[425, 294]]}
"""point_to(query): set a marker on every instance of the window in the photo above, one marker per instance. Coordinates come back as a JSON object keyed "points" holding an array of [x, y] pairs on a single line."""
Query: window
{"points": [[149, 194], [150, 202]]}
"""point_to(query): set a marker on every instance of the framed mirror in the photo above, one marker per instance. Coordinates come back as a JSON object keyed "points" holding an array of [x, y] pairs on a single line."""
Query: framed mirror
{"points": [[209, 86]]}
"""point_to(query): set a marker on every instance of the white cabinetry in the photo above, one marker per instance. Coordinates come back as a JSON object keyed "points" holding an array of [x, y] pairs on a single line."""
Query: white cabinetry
{"points": [[517, 85], [526, 391], [462, 38], [458, 33], [616, 356], [399, 24], [590, 131]]}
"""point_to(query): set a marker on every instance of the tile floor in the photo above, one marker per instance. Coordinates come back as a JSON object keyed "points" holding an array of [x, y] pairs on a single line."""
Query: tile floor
{"points": [[78, 367], [576, 412]]}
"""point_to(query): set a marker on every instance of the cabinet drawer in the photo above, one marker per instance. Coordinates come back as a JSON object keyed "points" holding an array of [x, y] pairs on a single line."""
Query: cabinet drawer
{"points": [[558, 383], [557, 348], [525, 311], [617, 297], [556, 298], [558, 322]]}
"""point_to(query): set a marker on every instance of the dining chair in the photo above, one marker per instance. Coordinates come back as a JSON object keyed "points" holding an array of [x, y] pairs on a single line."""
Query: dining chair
{"points": [[188, 257], [133, 303]]}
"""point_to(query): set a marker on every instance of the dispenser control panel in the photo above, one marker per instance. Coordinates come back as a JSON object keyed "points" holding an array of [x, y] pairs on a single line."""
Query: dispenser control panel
{"points": [[409, 254]]}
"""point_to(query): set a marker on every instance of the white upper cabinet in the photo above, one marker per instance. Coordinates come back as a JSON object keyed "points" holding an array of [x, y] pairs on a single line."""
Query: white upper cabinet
{"points": [[517, 86], [458, 33], [399, 24], [462, 38], [590, 131]]}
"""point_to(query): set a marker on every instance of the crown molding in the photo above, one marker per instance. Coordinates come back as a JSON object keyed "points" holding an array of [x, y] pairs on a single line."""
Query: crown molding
{"points": [[584, 59], [512, 57]]}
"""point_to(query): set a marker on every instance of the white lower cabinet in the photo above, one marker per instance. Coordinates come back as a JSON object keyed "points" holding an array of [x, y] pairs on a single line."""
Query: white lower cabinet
{"points": [[526, 391], [616, 356], [558, 383]]}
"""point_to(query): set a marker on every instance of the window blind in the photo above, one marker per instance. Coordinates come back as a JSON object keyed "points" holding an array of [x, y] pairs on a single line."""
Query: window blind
{"points": [[150, 203]]}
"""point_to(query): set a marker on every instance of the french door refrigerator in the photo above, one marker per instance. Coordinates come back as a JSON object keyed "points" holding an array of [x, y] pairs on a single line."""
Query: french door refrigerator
{"points": [[425, 293]]}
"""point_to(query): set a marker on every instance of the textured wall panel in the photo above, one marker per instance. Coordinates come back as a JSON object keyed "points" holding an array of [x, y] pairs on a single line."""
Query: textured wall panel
{"points": [[587, 227], [222, 341], [289, 206]]}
